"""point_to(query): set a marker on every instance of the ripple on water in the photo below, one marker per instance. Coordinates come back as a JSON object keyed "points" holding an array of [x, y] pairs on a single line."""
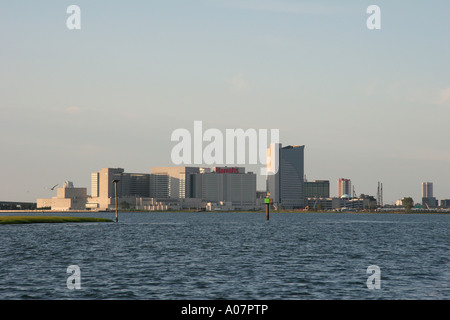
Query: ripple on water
{"points": [[229, 256]]}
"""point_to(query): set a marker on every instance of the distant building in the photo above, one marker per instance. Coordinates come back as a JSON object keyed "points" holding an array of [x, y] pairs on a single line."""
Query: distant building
{"points": [[316, 189], [427, 195], [316, 203], [129, 187], [363, 202], [68, 198], [317, 195], [344, 188], [12, 205], [231, 185], [172, 182], [430, 202], [445, 203], [221, 187], [427, 189], [153, 204], [285, 186]]}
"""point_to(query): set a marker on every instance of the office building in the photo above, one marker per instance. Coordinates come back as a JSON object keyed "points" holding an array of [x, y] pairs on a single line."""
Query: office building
{"points": [[216, 186], [172, 182], [445, 203], [285, 186], [429, 202], [316, 189], [227, 185], [427, 189], [344, 188], [159, 186], [427, 195], [129, 187]]}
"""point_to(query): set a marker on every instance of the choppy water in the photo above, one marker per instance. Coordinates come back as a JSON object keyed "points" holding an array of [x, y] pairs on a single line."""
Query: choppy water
{"points": [[229, 256]]}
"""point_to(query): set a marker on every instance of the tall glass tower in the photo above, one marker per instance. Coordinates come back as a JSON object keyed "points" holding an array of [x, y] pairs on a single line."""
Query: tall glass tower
{"points": [[286, 185], [427, 195], [427, 189]]}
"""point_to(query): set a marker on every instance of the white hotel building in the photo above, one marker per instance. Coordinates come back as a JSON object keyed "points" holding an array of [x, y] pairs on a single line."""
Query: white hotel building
{"points": [[216, 187], [227, 186]]}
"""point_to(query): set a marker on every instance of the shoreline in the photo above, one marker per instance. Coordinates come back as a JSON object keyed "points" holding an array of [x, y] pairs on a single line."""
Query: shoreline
{"points": [[48, 219], [231, 211]]}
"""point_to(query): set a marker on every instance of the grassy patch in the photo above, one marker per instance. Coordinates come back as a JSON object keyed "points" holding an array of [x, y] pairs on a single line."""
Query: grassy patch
{"points": [[47, 219]]}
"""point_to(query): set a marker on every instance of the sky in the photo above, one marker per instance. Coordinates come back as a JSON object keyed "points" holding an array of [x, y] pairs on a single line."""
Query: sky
{"points": [[369, 105]]}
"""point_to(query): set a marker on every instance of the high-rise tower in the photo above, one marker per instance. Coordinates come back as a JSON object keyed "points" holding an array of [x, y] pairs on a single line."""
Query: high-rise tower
{"points": [[427, 189], [344, 187], [286, 185], [427, 195]]}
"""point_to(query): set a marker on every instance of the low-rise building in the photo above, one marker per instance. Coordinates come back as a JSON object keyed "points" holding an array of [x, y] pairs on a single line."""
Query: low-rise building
{"points": [[429, 202], [68, 198], [363, 202], [319, 203], [445, 203]]}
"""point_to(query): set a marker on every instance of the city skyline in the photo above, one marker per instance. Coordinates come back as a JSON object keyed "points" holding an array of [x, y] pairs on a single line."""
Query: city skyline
{"points": [[154, 185], [369, 105]]}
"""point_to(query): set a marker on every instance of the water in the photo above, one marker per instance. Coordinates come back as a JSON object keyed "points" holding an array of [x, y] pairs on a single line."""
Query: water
{"points": [[229, 256]]}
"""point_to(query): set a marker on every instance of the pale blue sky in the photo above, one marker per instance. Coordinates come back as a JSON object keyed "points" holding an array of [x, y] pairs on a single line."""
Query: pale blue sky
{"points": [[368, 105]]}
